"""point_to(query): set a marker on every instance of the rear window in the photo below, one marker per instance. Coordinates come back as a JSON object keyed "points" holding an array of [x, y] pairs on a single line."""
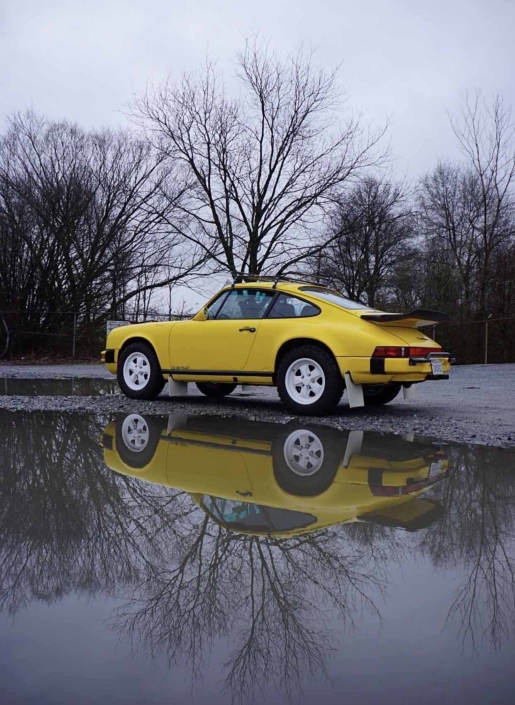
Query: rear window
{"points": [[333, 297]]}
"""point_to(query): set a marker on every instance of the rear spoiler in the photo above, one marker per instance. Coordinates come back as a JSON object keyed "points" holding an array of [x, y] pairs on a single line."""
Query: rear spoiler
{"points": [[418, 318]]}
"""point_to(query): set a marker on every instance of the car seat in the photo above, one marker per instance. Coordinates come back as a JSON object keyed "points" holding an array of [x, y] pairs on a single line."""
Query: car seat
{"points": [[282, 309]]}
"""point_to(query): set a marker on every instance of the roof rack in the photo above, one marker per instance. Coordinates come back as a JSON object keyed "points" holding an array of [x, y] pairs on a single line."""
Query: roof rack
{"points": [[241, 277]]}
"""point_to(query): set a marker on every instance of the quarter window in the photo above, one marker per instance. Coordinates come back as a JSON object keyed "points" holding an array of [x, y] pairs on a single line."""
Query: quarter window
{"points": [[286, 306], [245, 303]]}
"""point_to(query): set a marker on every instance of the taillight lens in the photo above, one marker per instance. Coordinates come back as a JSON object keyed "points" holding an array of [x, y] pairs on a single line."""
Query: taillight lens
{"points": [[403, 352], [391, 352], [422, 352], [400, 491]]}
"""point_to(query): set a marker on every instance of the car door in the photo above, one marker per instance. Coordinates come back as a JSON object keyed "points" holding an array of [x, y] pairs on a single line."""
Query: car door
{"points": [[286, 319], [224, 340], [207, 464]]}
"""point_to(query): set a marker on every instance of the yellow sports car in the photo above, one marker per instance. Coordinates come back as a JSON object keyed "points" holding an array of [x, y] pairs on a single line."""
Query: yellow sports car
{"points": [[264, 478], [308, 341]]}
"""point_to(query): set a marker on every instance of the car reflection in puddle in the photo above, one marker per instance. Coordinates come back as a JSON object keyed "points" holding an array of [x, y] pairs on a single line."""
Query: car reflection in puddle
{"points": [[251, 561], [264, 478]]}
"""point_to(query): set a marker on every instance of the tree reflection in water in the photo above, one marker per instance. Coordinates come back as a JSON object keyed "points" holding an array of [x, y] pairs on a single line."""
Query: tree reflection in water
{"points": [[68, 524], [271, 597], [477, 534]]}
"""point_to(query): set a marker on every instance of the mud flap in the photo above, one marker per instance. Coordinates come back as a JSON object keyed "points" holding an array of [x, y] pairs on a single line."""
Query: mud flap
{"points": [[409, 392], [176, 421], [354, 443], [355, 392], [177, 389]]}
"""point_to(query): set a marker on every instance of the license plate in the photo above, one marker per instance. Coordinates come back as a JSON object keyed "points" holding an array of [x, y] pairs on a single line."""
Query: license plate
{"points": [[437, 367], [435, 470]]}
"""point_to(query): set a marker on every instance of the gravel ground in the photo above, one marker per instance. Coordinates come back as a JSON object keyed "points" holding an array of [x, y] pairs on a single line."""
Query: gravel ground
{"points": [[92, 371], [477, 405]]}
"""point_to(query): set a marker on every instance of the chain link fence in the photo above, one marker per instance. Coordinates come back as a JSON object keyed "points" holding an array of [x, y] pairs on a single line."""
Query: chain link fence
{"points": [[491, 340], [63, 335], [34, 335]]}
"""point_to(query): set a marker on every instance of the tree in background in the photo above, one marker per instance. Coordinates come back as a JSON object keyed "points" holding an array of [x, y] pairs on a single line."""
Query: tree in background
{"points": [[262, 170], [83, 223], [486, 135], [371, 235], [467, 219]]}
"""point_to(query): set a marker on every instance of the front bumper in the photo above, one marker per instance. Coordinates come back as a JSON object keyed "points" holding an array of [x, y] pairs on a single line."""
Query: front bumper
{"points": [[108, 357]]}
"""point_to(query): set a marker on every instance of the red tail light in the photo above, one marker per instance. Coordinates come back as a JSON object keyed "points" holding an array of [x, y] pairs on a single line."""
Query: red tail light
{"points": [[400, 491], [422, 352], [391, 352], [404, 352]]}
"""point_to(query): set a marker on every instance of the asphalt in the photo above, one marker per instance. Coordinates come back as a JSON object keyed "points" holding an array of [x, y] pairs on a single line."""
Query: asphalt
{"points": [[477, 404]]}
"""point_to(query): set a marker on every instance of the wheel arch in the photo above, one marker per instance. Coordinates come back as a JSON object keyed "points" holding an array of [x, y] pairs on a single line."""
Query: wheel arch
{"points": [[295, 343], [138, 339]]}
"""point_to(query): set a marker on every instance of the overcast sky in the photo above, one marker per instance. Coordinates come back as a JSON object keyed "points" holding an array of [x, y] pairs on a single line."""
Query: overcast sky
{"points": [[407, 60]]}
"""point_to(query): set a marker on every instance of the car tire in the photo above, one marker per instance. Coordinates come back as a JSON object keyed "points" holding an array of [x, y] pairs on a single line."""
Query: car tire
{"points": [[138, 372], [137, 438], [306, 458], [376, 395], [320, 385], [216, 390]]}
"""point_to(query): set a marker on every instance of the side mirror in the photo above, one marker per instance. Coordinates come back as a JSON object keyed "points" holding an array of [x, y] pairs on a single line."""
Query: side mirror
{"points": [[203, 314]]}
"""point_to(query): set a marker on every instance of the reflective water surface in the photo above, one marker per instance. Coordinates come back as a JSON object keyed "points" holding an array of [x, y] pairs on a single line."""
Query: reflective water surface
{"points": [[210, 560], [73, 386]]}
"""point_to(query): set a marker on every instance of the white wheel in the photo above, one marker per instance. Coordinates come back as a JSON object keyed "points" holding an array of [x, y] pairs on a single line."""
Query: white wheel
{"points": [[136, 371], [305, 381], [135, 433], [303, 452]]}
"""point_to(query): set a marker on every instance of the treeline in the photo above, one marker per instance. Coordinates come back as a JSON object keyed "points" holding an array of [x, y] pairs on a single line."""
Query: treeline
{"points": [[81, 227], [281, 179]]}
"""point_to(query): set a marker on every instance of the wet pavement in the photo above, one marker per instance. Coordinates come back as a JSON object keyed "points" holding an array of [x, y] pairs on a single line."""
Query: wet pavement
{"points": [[75, 386], [475, 405], [176, 559]]}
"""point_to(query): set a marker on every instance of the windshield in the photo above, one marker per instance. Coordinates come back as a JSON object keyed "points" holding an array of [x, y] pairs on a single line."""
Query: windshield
{"points": [[333, 297]]}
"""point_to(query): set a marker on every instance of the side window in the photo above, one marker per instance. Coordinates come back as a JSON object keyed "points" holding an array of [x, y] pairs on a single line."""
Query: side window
{"points": [[245, 303], [213, 309], [287, 306]]}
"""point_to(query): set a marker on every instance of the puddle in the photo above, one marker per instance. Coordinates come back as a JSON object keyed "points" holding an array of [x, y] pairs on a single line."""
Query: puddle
{"points": [[75, 386], [220, 561]]}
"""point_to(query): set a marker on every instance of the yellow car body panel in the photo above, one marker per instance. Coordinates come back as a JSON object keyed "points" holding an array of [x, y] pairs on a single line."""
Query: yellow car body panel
{"points": [[157, 334], [194, 350], [242, 469]]}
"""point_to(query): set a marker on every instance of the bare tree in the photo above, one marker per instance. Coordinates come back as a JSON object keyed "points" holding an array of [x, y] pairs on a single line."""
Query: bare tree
{"points": [[486, 135], [83, 222], [262, 169], [449, 203], [370, 234], [467, 219]]}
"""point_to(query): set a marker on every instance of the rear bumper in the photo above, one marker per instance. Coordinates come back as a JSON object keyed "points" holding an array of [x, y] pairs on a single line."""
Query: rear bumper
{"points": [[369, 370]]}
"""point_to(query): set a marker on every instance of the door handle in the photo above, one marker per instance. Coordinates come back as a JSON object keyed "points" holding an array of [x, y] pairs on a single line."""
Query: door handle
{"points": [[250, 330]]}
